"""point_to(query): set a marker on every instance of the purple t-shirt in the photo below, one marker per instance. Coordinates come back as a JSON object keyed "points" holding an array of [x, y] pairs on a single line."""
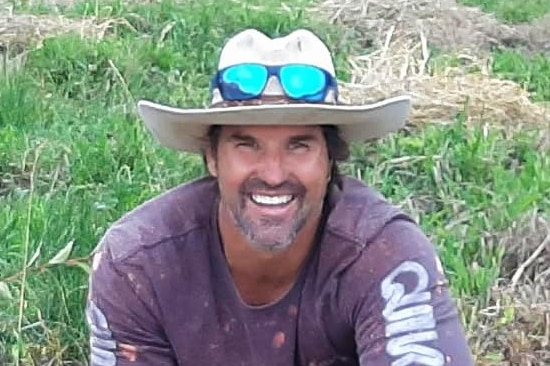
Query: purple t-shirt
{"points": [[372, 293]]}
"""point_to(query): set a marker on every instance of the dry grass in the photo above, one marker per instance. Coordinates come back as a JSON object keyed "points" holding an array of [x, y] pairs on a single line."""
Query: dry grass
{"points": [[403, 31], [19, 31]]}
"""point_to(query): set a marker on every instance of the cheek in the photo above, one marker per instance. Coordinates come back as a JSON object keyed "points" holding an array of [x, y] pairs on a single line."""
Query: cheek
{"points": [[231, 174], [314, 175]]}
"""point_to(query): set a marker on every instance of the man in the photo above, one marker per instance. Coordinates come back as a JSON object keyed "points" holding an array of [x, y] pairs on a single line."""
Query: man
{"points": [[274, 258]]}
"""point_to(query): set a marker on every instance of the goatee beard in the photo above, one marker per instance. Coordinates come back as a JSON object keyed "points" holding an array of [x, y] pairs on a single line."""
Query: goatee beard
{"points": [[270, 233], [266, 235]]}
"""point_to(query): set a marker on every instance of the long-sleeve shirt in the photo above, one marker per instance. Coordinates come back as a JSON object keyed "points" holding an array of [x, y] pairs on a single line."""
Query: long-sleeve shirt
{"points": [[373, 291]]}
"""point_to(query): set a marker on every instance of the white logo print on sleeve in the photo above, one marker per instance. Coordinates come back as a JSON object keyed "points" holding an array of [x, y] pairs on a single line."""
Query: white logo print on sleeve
{"points": [[409, 319], [102, 343]]}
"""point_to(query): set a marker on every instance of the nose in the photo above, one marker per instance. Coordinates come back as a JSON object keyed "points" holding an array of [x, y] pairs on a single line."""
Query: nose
{"points": [[272, 169]]}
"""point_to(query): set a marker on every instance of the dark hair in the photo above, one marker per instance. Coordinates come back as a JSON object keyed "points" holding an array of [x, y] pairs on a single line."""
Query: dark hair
{"points": [[338, 148]]}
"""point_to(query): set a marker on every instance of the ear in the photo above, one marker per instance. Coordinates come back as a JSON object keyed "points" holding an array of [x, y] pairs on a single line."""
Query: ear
{"points": [[211, 162]]}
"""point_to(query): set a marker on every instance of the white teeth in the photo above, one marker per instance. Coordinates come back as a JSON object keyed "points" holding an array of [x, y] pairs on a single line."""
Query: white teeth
{"points": [[271, 200]]}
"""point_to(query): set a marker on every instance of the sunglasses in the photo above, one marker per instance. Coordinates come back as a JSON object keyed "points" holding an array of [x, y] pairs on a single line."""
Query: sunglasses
{"points": [[299, 82]]}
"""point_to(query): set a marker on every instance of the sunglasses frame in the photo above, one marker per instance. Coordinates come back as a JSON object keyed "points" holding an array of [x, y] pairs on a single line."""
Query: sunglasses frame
{"points": [[274, 70]]}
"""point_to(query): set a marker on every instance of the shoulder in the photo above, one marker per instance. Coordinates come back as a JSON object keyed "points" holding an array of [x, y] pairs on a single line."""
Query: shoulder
{"points": [[365, 233], [170, 215], [358, 213], [401, 256], [390, 242], [399, 242], [368, 238]]}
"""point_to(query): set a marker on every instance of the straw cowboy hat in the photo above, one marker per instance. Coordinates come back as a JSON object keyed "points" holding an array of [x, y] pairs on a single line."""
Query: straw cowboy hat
{"points": [[288, 80]]}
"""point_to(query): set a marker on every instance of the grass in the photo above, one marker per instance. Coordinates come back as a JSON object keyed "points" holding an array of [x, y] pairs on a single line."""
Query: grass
{"points": [[464, 184], [76, 157], [512, 11], [533, 73]]}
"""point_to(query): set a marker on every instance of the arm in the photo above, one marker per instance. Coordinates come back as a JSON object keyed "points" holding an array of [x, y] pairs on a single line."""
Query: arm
{"points": [[122, 318], [406, 315]]}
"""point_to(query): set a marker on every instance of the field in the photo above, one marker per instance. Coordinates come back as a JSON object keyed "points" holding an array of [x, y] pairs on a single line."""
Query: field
{"points": [[473, 166]]}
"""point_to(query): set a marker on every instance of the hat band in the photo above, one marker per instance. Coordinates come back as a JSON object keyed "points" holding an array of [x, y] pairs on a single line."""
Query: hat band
{"points": [[297, 82]]}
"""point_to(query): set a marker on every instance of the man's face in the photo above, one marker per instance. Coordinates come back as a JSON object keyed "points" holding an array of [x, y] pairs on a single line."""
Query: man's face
{"points": [[272, 180]]}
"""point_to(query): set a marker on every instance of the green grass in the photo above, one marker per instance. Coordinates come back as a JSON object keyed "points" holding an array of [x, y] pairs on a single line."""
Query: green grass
{"points": [[467, 185], [75, 157], [512, 11], [532, 73]]}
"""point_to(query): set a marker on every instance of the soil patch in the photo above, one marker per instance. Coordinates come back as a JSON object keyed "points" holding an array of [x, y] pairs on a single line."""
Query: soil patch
{"points": [[448, 26], [536, 36], [12, 178], [517, 323]]}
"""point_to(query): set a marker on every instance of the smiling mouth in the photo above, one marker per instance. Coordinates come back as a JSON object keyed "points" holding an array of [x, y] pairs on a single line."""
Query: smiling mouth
{"points": [[272, 201]]}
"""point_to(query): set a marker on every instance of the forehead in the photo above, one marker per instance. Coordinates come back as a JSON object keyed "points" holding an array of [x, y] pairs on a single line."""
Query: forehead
{"points": [[271, 132]]}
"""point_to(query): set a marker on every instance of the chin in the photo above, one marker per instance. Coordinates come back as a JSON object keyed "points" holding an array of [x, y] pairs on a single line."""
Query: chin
{"points": [[270, 244]]}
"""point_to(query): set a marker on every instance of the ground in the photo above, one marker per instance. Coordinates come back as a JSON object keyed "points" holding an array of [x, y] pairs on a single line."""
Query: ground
{"points": [[472, 165]]}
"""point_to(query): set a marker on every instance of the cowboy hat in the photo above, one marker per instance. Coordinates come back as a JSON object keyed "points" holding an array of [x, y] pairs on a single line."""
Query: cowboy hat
{"points": [[183, 129]]}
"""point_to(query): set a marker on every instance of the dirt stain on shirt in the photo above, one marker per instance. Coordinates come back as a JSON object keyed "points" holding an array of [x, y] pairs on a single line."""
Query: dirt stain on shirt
{"points": [[278, 340], [292, 310], [128, 352]]}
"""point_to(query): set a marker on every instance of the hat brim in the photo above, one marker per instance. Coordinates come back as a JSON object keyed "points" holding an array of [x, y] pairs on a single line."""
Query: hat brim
{"points": [[182, 129]]}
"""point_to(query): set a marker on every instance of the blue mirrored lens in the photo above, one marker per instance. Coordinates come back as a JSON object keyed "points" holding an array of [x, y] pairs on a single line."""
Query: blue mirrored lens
{"points": [[303, 82], [242, 81]]}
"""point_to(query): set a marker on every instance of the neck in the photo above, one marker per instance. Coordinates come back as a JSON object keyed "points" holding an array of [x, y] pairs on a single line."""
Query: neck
{"points": [[262, 276]]}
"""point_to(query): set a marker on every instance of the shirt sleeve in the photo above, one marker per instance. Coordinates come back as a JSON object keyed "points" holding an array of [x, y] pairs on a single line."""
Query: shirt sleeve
{"points": [[122, 317], [405, 314]]}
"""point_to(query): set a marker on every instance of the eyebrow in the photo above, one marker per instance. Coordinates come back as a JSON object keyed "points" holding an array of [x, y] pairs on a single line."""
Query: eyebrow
{"points": [[237, 136], [240, 137], [304, 138]]}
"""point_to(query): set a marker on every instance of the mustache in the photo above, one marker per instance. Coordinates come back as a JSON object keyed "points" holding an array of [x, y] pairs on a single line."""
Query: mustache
{"points": [[287, 187]]}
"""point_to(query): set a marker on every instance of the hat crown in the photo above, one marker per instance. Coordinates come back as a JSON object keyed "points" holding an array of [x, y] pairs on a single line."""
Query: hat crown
{"points": [[298, 47]]}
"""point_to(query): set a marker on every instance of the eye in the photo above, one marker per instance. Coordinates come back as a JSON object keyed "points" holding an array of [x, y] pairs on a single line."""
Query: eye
{"points": [[299, 145], [247, 144]]}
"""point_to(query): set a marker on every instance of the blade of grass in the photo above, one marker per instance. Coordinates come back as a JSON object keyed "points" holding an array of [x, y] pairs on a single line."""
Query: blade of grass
{"points": [[26, 244]]}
